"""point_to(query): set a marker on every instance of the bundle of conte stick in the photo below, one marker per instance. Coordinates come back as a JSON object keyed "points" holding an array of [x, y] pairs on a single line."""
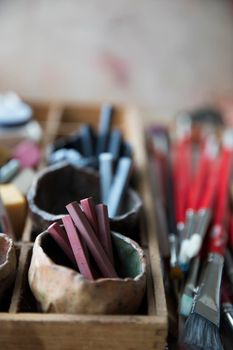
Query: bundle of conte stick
{"points": [[191, 174], [86, 233]]}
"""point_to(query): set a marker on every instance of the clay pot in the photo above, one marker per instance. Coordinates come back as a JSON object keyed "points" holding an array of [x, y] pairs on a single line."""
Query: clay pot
{"points": [[60, 184], [8, 263], [60, 289]]}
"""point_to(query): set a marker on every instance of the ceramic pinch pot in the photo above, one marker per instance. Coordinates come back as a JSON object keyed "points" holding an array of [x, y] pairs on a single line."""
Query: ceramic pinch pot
{"points": [[59, 184], [8, 263], [60, 289]]}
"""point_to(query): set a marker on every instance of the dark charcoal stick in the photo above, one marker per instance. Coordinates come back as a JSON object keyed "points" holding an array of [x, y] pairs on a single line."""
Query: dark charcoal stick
{"points": [[87, 141], [104, 128]]}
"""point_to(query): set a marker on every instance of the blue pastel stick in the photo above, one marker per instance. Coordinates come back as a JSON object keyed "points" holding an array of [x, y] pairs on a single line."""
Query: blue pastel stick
{"points": [[9, 170], [87, 146], [115, 142], [105, 170], [104, 128], [119, 185]]}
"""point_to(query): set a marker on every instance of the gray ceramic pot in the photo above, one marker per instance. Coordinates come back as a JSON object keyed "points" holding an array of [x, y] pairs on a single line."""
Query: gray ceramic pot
{"points": [[57, 185]]}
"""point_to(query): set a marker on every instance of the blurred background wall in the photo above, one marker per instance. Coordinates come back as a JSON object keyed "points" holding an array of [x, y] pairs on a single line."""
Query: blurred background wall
{"points": [[161, 55]]}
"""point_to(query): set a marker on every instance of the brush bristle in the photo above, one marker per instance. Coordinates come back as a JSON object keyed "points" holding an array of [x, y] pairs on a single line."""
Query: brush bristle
{"points": [[199, 333], [228, 138], [194, 245], [186, 303]]}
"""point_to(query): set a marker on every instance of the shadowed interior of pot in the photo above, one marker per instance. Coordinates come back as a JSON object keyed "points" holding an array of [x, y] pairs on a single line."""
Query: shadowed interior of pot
{"points": [[6, 298], [4, 247], [126, 257], [58, 187]]}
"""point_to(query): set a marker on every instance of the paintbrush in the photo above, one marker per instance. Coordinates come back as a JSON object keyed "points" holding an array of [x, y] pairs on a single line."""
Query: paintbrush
{"points": [[199, 210], [204, 316], [182, 173], [186, 299], [161, 221], [162, 156], [170, 206], [157, 148], [202, 326]]}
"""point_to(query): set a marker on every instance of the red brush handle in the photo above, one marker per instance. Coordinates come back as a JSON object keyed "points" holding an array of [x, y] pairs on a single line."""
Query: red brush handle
{"points": [[217, 241], [199, 181], [223, 187], [231, 232], [206, 201], [218, 237], [182, 172]]}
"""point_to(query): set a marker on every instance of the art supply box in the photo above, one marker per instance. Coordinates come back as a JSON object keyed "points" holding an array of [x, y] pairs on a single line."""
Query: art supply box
{"points": [[23, 326]]}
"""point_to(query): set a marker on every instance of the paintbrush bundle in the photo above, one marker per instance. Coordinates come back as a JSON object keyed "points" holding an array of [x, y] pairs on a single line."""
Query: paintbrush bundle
{"points": [[192, 169], [85, 233], [84, 146]]}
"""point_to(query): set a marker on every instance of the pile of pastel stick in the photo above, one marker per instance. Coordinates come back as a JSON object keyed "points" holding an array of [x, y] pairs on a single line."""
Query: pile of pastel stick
{"points": [[84, 146], [106, 151], [191, 170], [85, 239]]}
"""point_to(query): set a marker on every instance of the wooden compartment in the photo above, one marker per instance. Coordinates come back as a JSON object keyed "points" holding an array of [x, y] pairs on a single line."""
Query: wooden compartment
{"points": [[25, 327]]}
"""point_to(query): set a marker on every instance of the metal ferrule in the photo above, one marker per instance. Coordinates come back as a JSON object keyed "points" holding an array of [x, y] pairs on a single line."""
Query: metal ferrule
{"points": [[202, 221], [207, 299], [190, 223], [180, 230], [191, 281]]}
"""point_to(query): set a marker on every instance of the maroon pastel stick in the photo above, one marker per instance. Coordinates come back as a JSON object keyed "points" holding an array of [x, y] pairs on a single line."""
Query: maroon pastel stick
{"points": [[88, 207], [85, 229], [77, 248], [104, 229], [59, 235]]}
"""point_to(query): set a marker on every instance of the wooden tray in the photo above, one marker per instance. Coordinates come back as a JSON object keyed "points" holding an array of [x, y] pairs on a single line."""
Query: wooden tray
{"points": [[22, 327]]}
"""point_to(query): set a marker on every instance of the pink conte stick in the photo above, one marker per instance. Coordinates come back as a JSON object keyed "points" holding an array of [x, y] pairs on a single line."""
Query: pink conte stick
{"points": [[77, 248], [91, 240], [104, 229], [88, 207], [59, 235]]}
